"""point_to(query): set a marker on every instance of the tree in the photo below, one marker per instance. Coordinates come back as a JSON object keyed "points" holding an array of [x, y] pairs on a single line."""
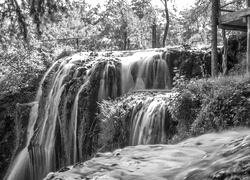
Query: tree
{"points": [[165, 3], [141, 7], [21, 56], [214, 56], [118, 24]]}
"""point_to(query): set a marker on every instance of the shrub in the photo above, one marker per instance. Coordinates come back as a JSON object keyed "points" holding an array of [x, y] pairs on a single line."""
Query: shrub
{"points": [[113, 124], [225, 107], [211, 104]]}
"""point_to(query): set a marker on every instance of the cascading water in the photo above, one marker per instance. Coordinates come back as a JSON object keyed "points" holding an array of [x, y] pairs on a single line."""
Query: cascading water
{"points": [[145, 70], [143, 117], [19, 166], [217, 156], [62, 124], [148, 122]]}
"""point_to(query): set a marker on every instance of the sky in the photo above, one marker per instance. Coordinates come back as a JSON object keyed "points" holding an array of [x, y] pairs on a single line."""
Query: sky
{"points": [[180, 4]]}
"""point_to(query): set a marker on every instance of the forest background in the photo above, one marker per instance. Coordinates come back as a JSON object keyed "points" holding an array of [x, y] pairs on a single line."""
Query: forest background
{"points": [[35, 33]]}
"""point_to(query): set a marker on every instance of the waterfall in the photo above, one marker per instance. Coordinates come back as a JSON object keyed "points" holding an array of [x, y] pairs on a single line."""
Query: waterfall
{"points": [[148, 121], [19, 166], [62, 124], [145, 70]]}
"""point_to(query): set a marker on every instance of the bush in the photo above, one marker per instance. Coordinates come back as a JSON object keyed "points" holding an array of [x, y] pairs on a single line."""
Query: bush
{"points": [[113, 124], [228, 108], [211, 104], [224, 103]]}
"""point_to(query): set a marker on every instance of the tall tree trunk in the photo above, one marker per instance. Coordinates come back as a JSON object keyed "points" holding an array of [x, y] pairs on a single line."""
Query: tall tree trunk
{"points": [[128, 44], [125, 40], [167, 22], [21, 20], [214, 56], [225, 54], [248, 40], [154, 35], [158, 37]]}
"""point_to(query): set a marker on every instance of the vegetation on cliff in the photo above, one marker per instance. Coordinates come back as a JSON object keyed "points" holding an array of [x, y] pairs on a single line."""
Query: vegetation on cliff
{"points": [[198, 106]]}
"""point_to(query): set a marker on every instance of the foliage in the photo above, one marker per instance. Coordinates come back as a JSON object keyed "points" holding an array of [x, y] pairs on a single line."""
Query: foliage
{"points": [[227, 107], [23, 56], [212, 104], [114, 128], [20, 65]]}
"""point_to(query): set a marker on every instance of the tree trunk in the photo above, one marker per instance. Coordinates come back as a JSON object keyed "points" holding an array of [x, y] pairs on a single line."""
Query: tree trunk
{"points": [[128, 44], [125, 38], [214, 56], [21, 20], [167, 22], [225, 61], [248, 40], [158, 37], [248, 45], [154, 35]]}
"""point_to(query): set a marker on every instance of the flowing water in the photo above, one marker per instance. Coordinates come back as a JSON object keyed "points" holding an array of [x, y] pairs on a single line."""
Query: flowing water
{"points": [[149, 118], [145, 70], [20, 167], [149, 122], [62, 122], [223, 155]]}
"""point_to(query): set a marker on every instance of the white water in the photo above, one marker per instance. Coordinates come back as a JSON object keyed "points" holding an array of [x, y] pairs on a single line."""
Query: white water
{"points": [[149, 119], [148, 123], [18, 166], [144, 70], [108, 83], [74, 119], [21, 167], [223, 155], [138, 72]]}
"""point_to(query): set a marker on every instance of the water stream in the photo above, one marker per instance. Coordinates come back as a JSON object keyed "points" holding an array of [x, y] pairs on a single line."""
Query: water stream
{"points": [[61, 128], [214, 156]]}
